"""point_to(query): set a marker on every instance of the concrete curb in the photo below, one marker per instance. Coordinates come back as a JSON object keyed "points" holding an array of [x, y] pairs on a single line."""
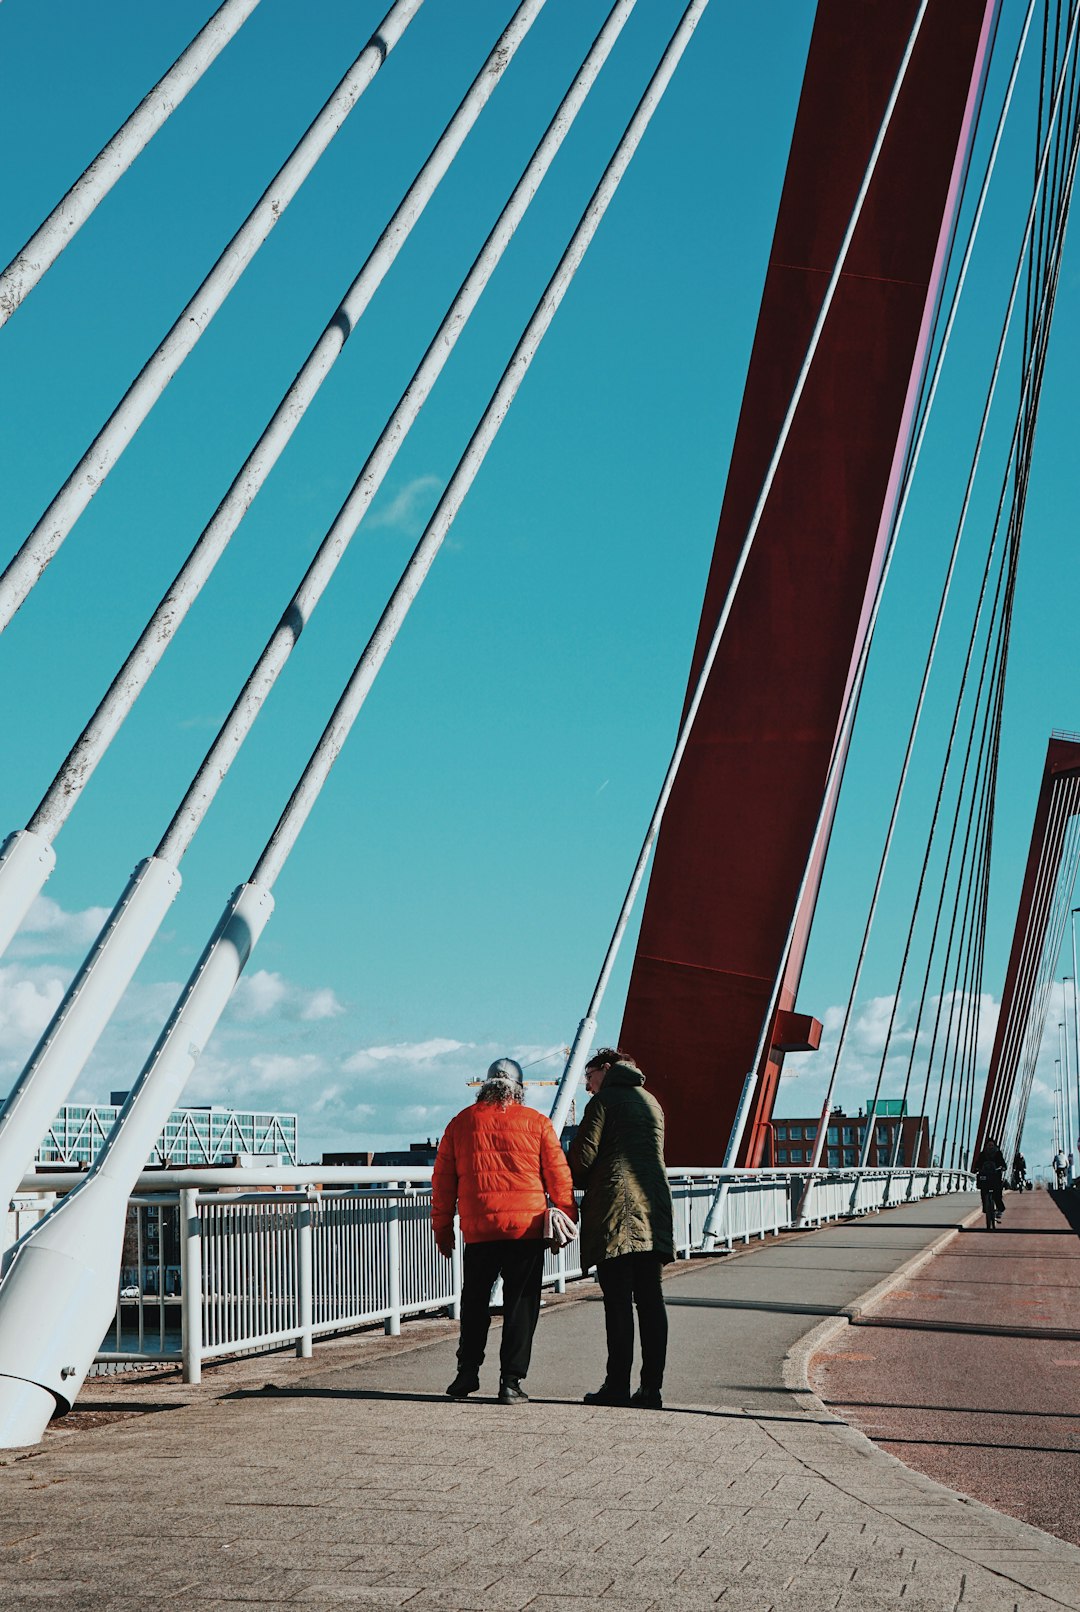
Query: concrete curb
{"points": [[1013, 1550]]}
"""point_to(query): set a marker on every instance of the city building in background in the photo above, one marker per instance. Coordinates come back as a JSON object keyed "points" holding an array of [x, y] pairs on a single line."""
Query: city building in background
{"points": [[192, 1136], [791, 1141], [416, 1153]]}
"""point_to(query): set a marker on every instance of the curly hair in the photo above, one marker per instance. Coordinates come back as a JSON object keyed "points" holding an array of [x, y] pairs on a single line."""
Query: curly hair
{"points": [[604, 1057], [500, 1092]]}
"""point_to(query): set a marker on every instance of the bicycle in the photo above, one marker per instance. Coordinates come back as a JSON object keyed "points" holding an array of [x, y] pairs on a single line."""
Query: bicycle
{"points": [[989, 1187]]}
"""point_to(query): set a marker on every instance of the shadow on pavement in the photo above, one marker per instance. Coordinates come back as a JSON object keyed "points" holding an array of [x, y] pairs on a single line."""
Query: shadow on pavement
{"points": [[908, 1323], [1069, 1204], [775, 1306], [272, 1391], [1020, 1231], [887, 1439], [954, 1410]]}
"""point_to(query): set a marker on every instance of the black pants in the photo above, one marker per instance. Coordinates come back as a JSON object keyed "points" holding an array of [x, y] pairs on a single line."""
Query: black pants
{"points": [[629, 1280], [520, 1263]]}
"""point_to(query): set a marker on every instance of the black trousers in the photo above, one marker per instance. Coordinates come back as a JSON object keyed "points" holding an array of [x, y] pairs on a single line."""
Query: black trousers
{"points": [[629, 1280], [520, 1263]]}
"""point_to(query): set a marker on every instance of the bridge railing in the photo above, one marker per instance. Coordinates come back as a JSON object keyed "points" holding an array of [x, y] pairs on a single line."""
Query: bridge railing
{"points": [[220, 1262]]}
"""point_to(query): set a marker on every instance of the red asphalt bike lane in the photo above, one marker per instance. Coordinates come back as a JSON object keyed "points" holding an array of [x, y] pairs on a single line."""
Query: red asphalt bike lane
{"points": [[993, 1413]]}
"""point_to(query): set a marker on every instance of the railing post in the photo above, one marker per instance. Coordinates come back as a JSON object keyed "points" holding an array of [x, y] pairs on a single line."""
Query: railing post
{"points": [[190, 1285], [393, 1266], [303, 1277]]}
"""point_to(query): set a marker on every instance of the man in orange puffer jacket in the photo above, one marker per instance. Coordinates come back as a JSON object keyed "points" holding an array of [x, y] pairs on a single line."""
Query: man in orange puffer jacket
{"points": [[498, 1163]]}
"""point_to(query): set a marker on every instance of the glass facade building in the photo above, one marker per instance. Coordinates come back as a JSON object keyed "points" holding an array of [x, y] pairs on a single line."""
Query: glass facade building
{"points": [[191, 1136]]}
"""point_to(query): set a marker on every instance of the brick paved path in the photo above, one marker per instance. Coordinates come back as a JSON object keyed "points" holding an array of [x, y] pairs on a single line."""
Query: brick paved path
{"points": [[995, 1413], [350, 1480]]}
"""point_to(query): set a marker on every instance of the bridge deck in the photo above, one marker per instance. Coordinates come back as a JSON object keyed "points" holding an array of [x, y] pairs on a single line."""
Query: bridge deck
{"points": [[972, 1371], [350, 1480]]}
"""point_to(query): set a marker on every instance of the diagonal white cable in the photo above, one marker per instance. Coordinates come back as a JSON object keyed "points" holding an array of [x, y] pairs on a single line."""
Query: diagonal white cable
{"points": [[114, 159], [26, 858], [88, 1004], [59, 1289], [587, 1027], [271, 662], [86, 479]]}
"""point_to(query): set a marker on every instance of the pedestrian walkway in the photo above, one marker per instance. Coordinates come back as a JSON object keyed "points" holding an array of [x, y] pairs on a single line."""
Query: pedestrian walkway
{"points": [[971, 1369], [351, 1480]]}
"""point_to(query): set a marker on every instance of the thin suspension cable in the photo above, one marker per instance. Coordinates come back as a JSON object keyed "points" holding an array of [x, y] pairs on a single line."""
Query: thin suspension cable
{"points": [[1033, 370], [953, 994], [1027, 971], [271, 662], [851, 705], [819, 1138], [63, 793], [917, 718], [572, 1072], [355, 693], [44, 542], [43, 248]]}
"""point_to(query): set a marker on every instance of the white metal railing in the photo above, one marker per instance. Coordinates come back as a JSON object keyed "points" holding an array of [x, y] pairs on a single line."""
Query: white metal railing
{"points": [[221, 1261]]}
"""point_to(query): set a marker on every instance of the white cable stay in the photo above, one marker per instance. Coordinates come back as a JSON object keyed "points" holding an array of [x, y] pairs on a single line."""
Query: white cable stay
{"points": [[69, 215], [26, 858], [44, 542], [128, 933], [50, 1326]]}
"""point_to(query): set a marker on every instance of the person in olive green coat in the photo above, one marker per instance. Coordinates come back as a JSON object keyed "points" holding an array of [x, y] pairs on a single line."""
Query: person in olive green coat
{"points": [[617, 1156]]}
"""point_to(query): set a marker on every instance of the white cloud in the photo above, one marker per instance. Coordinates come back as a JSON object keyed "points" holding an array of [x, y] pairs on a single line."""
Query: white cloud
{"points": [[258, 994], [49, 931], [263, 995], [405, 1052], [322, 1005], [279, 1046], [28, 1000], [404, 513]]}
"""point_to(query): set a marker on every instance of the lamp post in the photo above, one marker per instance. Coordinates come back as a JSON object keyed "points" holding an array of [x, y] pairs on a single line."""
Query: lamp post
{"points": [[1063, 1047], [1076, 1019]]}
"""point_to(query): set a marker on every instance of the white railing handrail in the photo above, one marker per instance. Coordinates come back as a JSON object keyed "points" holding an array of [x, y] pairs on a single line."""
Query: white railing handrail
{"points": [[370, 1175]]}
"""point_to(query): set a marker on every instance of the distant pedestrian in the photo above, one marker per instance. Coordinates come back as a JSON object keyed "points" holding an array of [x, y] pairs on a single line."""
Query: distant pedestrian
{"points": [[617, 1156], [498, 1164]]}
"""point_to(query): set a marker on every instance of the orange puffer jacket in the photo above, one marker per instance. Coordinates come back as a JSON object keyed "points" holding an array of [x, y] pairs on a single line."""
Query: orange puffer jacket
{"points": [[498, 1166]]}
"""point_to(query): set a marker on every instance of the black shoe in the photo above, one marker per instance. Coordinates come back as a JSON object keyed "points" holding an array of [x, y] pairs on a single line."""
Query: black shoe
{"points": [[511, 1392], [606, 1395], [647, 1399], [466, 1382]]}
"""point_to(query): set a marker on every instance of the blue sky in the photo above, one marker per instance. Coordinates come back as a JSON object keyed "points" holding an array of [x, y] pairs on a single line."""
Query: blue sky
{"points": [[452, 894]]}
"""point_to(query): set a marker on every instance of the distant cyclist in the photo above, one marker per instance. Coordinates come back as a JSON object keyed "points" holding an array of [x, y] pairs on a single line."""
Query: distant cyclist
{"points": [[990, 1169], [1061, 1167], [1019, 1172]]}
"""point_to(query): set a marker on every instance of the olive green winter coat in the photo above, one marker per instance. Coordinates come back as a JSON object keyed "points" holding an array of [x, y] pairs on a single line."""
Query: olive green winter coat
{"points": [[617, 1156]]}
